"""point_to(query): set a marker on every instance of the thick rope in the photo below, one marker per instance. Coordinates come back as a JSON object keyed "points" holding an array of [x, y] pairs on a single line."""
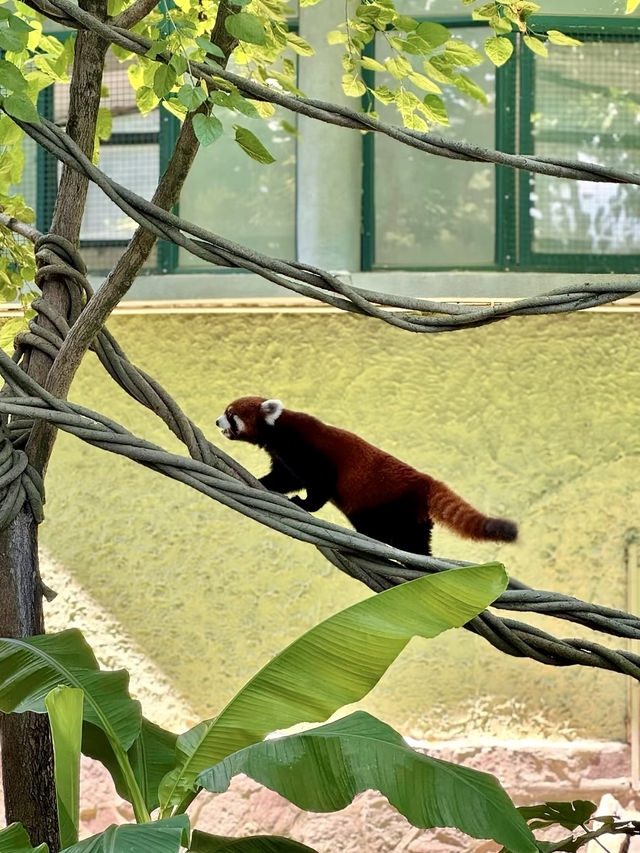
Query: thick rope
{"points": [[382, 567]]}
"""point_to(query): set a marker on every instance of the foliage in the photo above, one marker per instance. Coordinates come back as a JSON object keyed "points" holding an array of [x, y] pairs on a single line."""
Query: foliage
{"points": [[334, 663]]}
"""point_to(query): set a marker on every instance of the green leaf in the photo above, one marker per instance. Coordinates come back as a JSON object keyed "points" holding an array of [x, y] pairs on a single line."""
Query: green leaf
{"points": [[323, 769], [468, 87], [252, 146], [21, 108], [336, 662], [371, 64], [10, 40], [160, 836], [8, 331], [498, 49], [460, 53], [14, 839], [179, 63], [164, 80], [383, 94], [424, 83], [203, 842], [191, 96], [207, 128], [535, 45], [64, 706], [209, 47], [152, 755], [434, 35], [435, 110], [104, 123], [404, 24], [299, 45], [146, 99], [632, 5], [11, 77], [398, 67], [568, 815], [246, 27], [439, 69], [20, 26], [30, 668], [556, 37], [352, 85]]}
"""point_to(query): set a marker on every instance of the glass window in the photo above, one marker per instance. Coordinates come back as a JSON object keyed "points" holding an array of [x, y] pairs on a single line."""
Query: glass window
{"points": [[433, 8], [585, 108], [430, 211], [246, 201]]}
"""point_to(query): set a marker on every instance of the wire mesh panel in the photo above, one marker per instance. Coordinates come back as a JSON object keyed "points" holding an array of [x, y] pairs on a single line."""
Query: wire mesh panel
{"points": [[130, 156], [586, 107]]}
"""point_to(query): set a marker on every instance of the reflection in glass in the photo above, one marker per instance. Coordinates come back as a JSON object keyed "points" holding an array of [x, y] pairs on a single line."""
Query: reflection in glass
{"points": [[587, 108], [430, 211], [233, 195]]}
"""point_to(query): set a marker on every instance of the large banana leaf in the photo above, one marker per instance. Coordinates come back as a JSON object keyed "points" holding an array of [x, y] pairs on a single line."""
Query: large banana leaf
{"points": [[14, 839], [152, 755], [324, 768], [30, 668], [162, 836], [335, 663], [202, 842], [64, 706]]}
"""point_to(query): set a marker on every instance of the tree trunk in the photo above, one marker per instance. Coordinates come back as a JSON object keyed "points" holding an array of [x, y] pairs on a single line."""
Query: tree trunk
{"points": [[27, 763], [25, 739]]}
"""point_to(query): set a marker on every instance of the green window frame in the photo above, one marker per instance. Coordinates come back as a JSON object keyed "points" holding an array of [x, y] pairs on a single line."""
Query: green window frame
{"points": [[514, 232], [610, 30]]}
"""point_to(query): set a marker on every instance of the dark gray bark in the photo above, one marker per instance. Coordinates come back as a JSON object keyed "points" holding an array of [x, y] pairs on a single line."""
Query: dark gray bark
{"points": [[27, 764]]}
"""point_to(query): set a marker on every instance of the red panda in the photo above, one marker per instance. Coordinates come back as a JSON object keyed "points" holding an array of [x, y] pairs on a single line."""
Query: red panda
{"points": [[381, 496]]}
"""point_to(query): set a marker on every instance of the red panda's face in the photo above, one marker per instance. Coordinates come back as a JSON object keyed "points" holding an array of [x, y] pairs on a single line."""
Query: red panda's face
{"points": [[243, 418]]}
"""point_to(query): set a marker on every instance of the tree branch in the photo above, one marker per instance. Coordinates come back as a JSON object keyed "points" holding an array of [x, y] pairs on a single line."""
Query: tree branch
{"points": [[130, 262]]}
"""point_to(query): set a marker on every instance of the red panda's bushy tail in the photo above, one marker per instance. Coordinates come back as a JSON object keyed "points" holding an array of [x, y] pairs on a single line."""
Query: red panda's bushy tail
{"points": [[449, 509]]}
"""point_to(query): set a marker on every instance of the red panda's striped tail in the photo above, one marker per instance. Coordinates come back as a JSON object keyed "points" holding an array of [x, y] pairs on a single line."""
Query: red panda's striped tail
{"points": [[449, 509]]}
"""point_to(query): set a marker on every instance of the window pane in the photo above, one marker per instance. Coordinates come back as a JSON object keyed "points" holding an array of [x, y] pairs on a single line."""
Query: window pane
{"points": [[433, 8], [134, 166], [586, 109], [431, 211], [236, 197]]}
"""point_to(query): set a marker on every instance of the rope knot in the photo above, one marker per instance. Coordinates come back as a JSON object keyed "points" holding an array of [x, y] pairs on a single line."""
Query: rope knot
{"points": [[19, 482]]}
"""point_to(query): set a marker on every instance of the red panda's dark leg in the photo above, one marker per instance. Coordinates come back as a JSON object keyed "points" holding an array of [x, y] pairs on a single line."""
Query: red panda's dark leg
{"points": [[315, 499], [392, 524], [281, 479]]}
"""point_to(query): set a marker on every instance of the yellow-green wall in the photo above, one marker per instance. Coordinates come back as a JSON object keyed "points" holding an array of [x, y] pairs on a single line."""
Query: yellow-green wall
{"points": [[533, 418]]}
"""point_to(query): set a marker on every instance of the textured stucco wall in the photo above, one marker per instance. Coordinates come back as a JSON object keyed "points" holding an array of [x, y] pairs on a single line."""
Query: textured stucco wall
{"points": [[534, 418]]}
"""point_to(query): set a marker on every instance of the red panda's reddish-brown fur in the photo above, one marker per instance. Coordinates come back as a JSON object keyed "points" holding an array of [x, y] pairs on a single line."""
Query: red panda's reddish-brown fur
{"points": [[381, 495]]}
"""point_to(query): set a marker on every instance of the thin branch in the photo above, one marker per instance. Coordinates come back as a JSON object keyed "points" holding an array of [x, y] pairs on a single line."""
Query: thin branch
{"points": [[134, 14], [19, 227]]}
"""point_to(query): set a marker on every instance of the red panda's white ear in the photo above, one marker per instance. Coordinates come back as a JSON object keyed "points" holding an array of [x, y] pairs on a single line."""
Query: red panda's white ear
{"points": [[271, 409]]}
